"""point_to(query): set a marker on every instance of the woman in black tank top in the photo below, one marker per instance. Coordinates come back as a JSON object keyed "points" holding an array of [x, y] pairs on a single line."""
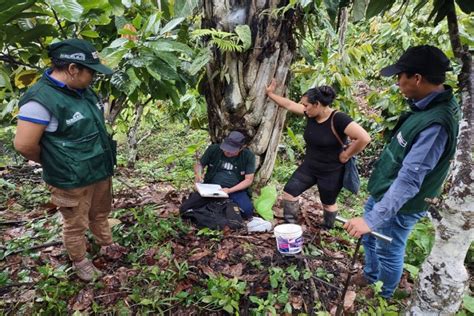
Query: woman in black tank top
{"points": [[325, 157]]}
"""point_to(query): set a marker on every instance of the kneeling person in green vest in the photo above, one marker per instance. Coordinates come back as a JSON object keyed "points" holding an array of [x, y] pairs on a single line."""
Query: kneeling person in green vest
{"points": [[61, 126], [232, 166], [412, 166]]}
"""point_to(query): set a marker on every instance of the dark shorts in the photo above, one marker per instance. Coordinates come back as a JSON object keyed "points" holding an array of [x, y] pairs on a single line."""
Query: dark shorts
{"points": [[329, 183]]}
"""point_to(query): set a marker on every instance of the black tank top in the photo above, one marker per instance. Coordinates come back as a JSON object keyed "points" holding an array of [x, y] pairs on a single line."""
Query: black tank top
{"points": [[322, 147]]}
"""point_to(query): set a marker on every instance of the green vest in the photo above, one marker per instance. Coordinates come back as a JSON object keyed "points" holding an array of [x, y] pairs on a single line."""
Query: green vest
{"points": [[443, 110], [216, 154], [80, 152]]}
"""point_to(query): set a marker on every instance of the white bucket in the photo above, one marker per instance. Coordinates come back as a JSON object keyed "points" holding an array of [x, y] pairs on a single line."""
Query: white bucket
{"points": [[289, 238]]}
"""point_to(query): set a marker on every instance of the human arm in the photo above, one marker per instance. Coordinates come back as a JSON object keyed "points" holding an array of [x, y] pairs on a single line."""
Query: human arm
{"points": [[242, 185], [422, 158], [359, 140], [198, 172], [201, 164], [27, 139], [282, 101]]}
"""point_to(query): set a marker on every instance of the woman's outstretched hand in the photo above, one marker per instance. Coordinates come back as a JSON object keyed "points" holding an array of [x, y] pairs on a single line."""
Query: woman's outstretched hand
{"points": [[271, 87]]}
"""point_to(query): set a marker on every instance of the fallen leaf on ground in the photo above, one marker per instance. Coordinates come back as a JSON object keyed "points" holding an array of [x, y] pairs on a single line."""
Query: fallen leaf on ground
{"points": [[349, 299], [124, 274], [207, 270], [296, 301], [150, 256], [113, 222], [115, 251], [182, 285], [235, 270], [82, 300], [27, 296], [199, 255], [222, 254]]}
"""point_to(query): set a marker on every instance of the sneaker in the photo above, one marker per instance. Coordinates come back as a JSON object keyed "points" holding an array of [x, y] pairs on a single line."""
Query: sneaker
{"points": [[113, 251], [258, 224], [86, 270]]}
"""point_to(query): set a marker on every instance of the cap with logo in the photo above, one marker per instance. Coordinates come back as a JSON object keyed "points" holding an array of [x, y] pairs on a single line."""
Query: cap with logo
{"points": [[234, 142], [424, 60], [80, 52]]}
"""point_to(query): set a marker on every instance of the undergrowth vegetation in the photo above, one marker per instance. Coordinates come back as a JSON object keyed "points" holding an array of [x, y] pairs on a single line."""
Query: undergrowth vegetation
{"points": [[165, 270], [172, 267]]}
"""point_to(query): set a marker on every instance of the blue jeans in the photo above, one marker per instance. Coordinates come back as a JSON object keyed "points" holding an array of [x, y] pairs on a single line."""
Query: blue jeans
{"points": [[384, 260], [243, 200]]}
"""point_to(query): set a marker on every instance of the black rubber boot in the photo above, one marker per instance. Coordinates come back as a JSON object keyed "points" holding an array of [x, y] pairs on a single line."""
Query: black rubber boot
{"points": [[329, 219], [291, 209]]}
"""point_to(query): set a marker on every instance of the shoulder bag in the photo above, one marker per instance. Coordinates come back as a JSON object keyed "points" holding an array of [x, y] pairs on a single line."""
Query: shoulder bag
{"points": [[351, 179]]}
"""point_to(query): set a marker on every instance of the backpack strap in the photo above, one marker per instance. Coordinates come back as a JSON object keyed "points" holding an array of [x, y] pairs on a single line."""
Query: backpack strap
{"points": [[334, 130]]}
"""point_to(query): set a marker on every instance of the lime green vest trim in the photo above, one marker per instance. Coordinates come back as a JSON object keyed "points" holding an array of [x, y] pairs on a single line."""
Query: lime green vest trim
{"points": [[80, 151], [442, 110]]}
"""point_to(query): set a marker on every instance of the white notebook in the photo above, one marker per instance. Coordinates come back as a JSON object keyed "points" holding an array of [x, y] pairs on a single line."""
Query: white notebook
{"points": [[211, 190]]}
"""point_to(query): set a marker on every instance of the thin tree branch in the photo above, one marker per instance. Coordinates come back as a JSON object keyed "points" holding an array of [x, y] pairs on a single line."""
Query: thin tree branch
{"points": [[63, 32], [48, 244], [10, 59]]}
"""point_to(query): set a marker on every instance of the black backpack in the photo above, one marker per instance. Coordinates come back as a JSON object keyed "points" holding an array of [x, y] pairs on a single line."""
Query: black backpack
{"points": [[216, 215]]}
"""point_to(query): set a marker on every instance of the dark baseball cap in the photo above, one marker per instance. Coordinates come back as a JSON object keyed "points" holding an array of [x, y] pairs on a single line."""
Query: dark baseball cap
{"points": [[423, 60], [80, 52], [234, 142]]}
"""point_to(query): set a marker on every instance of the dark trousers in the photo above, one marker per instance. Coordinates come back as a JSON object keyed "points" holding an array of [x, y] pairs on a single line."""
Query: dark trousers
{"points": [[241, 198]]}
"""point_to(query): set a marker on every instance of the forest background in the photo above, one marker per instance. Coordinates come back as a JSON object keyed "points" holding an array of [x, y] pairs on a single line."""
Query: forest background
{"points": [[161, 108]]}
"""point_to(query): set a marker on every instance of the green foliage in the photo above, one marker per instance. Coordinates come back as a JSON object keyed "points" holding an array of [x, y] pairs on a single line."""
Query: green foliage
{"points": [[171, 152], [265, 201], [239, 41], [282, 170], [54, 289], [213, 235], [35, 232], [323, 274], [297, 142], [352, 67], [468, 303], [147, 231], [378, 305], [279, 295], [419, 243], [224, 293], [151, 61]]}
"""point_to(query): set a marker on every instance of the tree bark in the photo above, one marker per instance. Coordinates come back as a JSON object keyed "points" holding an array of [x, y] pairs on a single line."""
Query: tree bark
{"points": [[132, 137], [113, 109], [443, 278], [235, 85], [343, 20]]}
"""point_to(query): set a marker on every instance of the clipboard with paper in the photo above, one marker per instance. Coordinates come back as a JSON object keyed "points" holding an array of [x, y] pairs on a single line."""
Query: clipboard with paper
{"points": [[211, 190]]}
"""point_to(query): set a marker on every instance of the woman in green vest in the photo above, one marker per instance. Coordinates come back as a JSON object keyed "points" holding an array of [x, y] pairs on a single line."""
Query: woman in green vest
{"points": [[61, 126]]}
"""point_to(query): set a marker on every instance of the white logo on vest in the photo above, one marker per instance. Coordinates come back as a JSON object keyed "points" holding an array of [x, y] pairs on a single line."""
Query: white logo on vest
{"points": [[76, 56], [76, 117], [401, 141]]}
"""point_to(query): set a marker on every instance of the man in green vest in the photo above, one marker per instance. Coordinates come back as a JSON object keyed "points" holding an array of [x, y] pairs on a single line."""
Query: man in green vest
{"points": [[61, 126], [412, 166]]}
